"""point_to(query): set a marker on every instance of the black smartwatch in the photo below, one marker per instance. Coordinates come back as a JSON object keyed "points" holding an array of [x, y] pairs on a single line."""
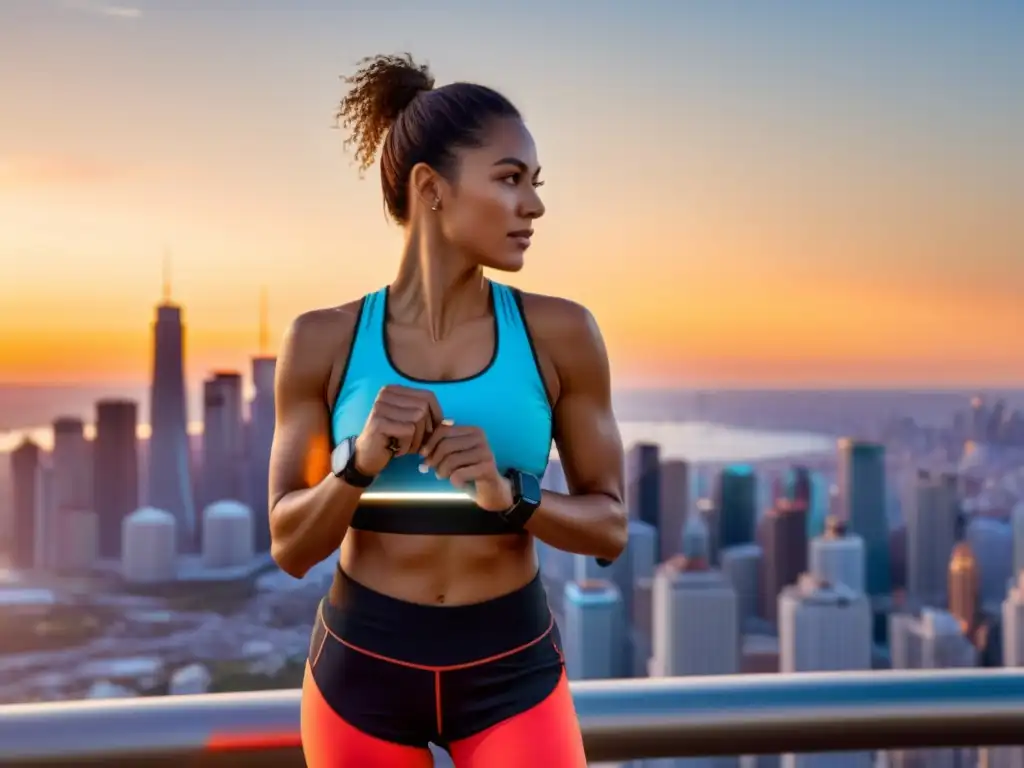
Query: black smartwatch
{"points": [[526, 493], [343, 465]]}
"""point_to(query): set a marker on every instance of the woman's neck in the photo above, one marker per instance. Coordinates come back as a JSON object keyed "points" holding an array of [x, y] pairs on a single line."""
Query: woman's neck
{"points": [[436, 287]]}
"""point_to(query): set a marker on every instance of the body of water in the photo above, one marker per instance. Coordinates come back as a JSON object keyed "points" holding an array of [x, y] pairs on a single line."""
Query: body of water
{"points": [[714, 443]]}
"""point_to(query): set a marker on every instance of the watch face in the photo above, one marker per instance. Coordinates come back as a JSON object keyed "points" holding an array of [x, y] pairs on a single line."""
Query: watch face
{"points": [[530, 488], [340, 456]]}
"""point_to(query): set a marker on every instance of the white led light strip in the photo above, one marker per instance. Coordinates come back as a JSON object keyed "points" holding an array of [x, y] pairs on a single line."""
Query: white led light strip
{"points": [[421, 496]]}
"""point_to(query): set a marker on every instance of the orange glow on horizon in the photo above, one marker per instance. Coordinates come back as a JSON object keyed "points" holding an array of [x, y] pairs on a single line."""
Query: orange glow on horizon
{"points": [[745, 217]]}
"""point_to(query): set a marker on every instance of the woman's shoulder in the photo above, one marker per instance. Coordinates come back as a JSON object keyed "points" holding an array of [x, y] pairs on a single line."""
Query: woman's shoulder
{"points": [[317, 337], [558, 318], [565, 334], [325, 324]]}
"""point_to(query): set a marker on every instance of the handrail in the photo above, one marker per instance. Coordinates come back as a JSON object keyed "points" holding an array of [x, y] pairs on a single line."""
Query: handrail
{"points": [[621, 720]]}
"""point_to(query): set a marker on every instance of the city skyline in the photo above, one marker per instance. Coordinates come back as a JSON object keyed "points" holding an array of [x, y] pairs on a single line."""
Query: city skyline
{"points": [[794, 214], [796, 591], [798, 228]]}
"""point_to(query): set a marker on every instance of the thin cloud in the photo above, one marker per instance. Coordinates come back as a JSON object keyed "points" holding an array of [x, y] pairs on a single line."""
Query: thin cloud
{"points": [[56, 170], [104, 9]]}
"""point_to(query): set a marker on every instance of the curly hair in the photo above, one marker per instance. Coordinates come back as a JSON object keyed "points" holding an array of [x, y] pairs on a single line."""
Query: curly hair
{"points": [[392, 105]]}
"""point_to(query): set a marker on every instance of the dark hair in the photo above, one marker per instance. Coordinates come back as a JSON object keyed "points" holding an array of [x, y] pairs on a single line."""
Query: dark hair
{"points": [[392, 101]]}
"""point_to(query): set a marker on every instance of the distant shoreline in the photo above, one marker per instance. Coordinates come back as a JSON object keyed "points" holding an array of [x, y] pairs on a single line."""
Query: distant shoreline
{"points": [[833, 412]]}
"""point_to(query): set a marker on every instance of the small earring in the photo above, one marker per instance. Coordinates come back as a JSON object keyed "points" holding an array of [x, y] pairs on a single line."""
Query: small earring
{"points": [[437, 205]]}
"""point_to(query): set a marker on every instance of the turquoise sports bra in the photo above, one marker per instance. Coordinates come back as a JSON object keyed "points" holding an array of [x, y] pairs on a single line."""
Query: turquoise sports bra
{"points": [[507, 400]]}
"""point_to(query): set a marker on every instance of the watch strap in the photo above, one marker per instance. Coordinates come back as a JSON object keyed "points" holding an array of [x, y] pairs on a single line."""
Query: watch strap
{"points": [[522, 509], [351, 474]]}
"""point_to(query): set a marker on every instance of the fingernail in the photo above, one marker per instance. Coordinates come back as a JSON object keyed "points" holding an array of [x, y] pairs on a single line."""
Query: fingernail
{"points": [[447, 423], [424, 469]]}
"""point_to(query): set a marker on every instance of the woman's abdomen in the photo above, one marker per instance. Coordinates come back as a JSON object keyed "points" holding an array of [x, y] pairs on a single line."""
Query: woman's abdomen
{"points": [[452, 570]]}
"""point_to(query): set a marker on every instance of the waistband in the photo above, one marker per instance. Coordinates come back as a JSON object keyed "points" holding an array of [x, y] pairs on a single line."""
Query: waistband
{"points": [[436, 636]]}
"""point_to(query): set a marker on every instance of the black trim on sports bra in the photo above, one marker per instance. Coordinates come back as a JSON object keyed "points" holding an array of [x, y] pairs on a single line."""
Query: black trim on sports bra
{"points": [[477, 375], [341, 379]]}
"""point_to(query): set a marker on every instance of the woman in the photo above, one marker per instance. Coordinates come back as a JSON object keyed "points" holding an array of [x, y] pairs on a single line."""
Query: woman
{"points": [[442, 386]]}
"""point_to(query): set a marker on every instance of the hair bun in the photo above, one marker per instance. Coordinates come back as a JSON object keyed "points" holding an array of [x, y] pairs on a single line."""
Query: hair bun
{"points": [[381, 88], [389, 84]]}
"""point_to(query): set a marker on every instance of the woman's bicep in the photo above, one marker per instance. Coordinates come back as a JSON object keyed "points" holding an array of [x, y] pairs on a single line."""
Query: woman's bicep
{"points": [[586, 433], [300, 454]]}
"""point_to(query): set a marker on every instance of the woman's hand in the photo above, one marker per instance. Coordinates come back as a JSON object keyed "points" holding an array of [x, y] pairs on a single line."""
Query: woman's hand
{"points": [[463, 456], [401, 419]]}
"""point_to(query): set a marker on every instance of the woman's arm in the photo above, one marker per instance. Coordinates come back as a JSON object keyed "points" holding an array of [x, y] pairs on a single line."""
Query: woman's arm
{"points": [[591, 520], [310, 508]]}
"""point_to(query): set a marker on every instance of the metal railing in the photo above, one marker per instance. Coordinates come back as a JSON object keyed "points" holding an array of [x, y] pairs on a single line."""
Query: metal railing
{"points": [[621, 720]]}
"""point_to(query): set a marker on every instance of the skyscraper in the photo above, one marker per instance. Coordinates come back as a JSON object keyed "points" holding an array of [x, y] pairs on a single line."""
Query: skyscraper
{"points": [[621, 574], [931, 519], [261, 438], [837, 556], [72, 464], [675, 505], [904, 641], [642, 561], [223, 444], [824, 627], [643, 482], [1013, 624], [115, 483], [801, 488], [261, 430], [594, 624], [72, 480], [1018, 538], [939, 644], [742, 567], [736, 501], [705, 509], [862, 505], [47, 531], [25, 469], [695, 625], [1013, 656], [964, 585], [170, 473], [643, 556], [784, 547]]}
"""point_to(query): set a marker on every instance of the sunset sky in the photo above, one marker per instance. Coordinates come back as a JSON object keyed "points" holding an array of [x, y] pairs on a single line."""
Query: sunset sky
{"points": [[743, 193]]}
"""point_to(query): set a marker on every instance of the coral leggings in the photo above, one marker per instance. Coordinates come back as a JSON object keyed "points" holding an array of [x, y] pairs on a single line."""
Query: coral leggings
{"points": [[486, 682], [545, 735]]}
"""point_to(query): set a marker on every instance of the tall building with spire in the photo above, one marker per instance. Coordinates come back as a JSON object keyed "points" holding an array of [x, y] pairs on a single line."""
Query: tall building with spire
{"points": [[170, 471]]}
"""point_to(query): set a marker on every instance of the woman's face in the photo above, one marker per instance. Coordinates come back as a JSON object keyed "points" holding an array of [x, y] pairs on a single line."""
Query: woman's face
{"points": [[491, 203]]}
